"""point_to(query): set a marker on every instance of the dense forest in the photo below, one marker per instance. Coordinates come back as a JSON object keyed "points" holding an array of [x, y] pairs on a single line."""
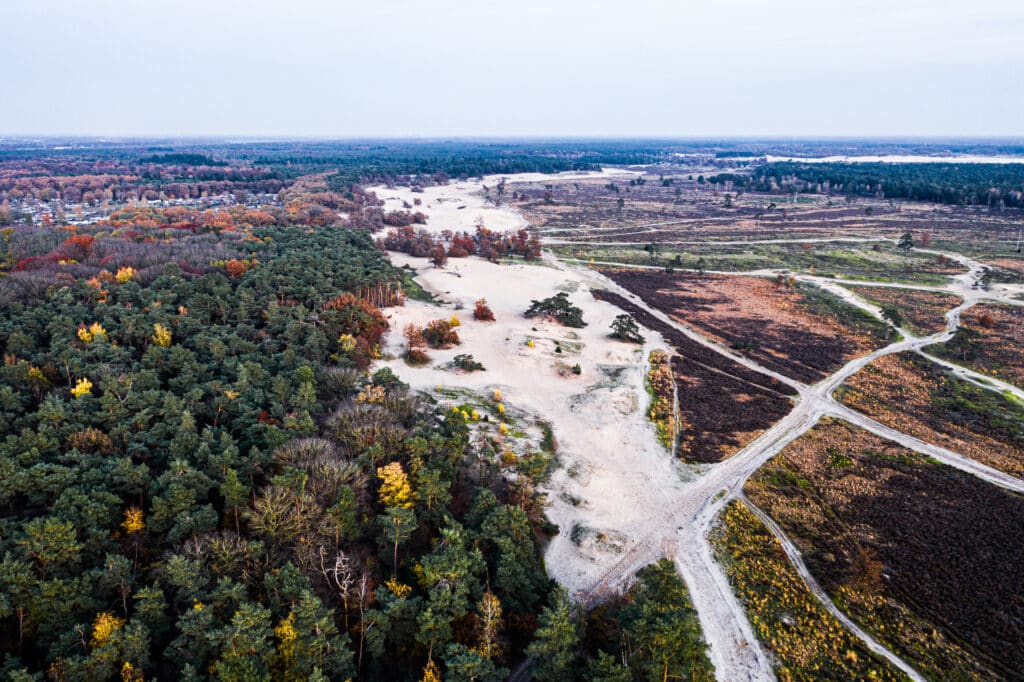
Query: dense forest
{"points": [[968, 184], [203, 477]]}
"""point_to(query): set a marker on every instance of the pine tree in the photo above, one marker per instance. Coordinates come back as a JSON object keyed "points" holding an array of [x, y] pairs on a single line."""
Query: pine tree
{"points": [[556, 638]]}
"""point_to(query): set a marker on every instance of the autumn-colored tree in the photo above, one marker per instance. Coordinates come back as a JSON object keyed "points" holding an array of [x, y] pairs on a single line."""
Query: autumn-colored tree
{"points": [[361, 320], [489, 611], [395, 490], [438, 256], [161, 335], [82, 387], [236, 268], [414, 336], [482, 311]]}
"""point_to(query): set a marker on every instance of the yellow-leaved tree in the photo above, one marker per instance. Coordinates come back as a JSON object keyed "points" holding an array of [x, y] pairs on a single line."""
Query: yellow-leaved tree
{"points": [[82, 387], [134, 520], [106, 625], [395, 490], [161, 335]]}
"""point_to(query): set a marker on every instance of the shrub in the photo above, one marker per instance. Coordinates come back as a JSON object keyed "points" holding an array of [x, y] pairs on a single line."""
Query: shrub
{"points": [[483, 312], [439, 334], [438, 256], [467, 363], [558, 308], [414, 336], [417, 357]]}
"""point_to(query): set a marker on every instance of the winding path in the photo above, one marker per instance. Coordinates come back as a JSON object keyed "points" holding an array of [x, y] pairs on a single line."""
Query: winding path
{"points": [[678, 528], [733, 648]]}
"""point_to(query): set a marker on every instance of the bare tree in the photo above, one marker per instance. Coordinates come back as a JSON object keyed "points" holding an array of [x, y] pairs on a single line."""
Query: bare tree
{"points": [[339, 576]]}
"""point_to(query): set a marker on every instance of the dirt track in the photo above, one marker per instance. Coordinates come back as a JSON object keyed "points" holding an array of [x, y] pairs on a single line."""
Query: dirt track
{"points": [[679, 528]]}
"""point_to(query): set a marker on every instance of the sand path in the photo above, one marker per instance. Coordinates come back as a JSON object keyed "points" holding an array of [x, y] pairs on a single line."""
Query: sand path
{"points": [[632, 502]]}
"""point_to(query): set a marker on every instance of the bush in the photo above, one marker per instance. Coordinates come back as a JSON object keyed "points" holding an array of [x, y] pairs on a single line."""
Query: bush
{"points": [[439, 334], [483, 312], [558, 308], [417, 357], [467, 363]]}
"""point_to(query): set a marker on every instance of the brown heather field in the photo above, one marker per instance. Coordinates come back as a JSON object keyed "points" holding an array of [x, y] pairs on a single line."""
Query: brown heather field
{"points": [[801, 333], [993, 344], [923, 311], [918, 397], [929, 559]]}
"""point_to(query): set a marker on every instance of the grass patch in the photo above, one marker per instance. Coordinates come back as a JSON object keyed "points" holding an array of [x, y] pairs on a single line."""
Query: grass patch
{"points": [[807, 642]]}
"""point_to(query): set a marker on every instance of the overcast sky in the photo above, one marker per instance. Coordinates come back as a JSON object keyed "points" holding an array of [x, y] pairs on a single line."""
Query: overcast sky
{"points": [[340, 68]]}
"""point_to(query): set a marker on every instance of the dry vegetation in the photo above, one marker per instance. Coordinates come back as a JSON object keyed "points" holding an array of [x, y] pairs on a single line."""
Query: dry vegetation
{"points": [[923, 311], [807, 641], [800, 332], [722, 404], [663, 397], [989, 342], [928, 558], [911, 394]]}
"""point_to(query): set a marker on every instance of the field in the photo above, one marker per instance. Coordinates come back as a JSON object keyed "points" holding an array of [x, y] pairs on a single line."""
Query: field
{"points": [[923, 311], [875, 261], [800, 331], [809, 643], [927, 558], [722, 404], [668, 215], [989, 342], [920, 398]]}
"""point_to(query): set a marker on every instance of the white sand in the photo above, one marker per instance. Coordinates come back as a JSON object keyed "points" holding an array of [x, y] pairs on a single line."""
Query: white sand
{"points": [[627, 497], [621, 476], [459, 206]]}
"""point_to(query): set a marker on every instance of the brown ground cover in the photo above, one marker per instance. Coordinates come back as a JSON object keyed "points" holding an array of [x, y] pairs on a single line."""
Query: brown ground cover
{"points": [[920, 398], [722, 404], [923, 311], [565, 204], [799, 332], [989, 342], [928, 558]]}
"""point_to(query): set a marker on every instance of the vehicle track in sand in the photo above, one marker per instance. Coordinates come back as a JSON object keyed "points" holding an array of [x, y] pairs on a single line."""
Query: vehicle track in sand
{"points": [[680, 528], [733, 650]]}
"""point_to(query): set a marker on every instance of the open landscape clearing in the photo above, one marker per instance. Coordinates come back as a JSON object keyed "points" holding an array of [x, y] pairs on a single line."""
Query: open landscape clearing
{"points": [[511, 342], [718, 433], [739, 347]]}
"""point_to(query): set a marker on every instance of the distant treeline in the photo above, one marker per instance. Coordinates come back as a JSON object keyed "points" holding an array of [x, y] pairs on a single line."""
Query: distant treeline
{"points": [[183, 159], [373, 162], [974, 184]]}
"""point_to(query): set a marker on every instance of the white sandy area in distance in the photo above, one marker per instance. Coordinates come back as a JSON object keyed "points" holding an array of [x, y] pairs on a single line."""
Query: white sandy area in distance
{"points": [[459, 205], [615, 477]]}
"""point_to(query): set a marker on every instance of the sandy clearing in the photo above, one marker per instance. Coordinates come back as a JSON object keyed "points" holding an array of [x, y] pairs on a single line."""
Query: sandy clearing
{"points": [[623, 487], [461, 205], [615, 480], [611, 460]]}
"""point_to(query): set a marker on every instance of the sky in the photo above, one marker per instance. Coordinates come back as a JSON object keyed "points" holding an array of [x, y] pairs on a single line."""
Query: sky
{"points": [[443, 68]]}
